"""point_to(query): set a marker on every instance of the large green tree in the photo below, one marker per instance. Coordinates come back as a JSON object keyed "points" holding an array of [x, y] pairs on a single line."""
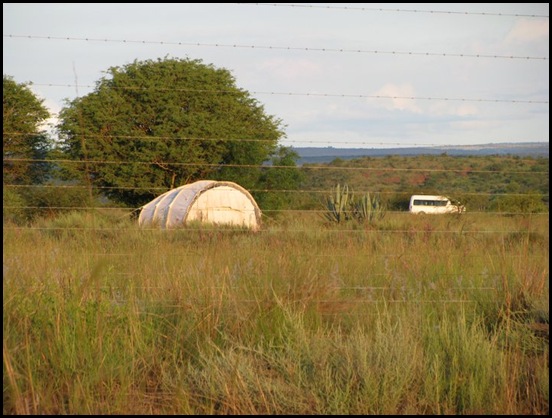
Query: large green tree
{"points": [[150, 126], [23, 138]]}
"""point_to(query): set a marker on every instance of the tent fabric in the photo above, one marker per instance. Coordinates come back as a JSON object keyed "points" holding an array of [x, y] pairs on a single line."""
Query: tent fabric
{"points": [[207, 201]]}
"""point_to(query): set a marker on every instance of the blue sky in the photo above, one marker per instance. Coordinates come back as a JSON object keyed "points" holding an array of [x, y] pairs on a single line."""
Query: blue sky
{"points": [[361, 75]]}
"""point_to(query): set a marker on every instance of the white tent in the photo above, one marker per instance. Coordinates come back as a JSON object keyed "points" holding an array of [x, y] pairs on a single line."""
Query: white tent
{"points": [[209, 201]]}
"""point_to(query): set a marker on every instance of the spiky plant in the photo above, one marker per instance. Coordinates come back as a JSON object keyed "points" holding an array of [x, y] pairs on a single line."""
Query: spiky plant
{"points": [[368, 208], [338, 205]]}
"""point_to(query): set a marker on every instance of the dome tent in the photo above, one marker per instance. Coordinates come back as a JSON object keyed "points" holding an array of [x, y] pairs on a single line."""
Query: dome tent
{"points": [[209, 201]]}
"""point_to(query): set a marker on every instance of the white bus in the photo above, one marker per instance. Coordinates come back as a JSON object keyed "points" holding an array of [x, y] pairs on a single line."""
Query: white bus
{"points": [[432, 204]]}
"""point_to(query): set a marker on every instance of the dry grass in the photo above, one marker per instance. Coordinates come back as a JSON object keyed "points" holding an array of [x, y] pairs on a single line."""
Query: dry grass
{"points": [[431, 315]]}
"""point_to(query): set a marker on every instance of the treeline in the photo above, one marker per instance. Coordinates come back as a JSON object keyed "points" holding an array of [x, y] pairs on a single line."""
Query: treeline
{"points": [[502, 183]]}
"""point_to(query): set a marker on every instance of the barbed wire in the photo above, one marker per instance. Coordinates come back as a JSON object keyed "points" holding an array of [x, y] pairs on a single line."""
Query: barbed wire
{"points": [[437, 147], [307, 94], [167, 303], [308, 253], [301, 191], [313, 211], [270, 166], [462, 232], [367, 288], [278, 48], [395, 10]]}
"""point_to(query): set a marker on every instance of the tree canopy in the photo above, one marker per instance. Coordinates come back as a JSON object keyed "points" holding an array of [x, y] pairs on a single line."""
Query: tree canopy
{"points": [[150, 126], [23, 138]]}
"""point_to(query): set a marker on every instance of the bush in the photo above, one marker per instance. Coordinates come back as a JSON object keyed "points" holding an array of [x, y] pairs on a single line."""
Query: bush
{"points": [[13, 209], [530, 203]]}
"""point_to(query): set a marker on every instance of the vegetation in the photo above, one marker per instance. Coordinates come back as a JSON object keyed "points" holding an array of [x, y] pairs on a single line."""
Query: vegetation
{"points": [[338, 205], [188, 121], [394, 314], [154, 125], [483, 184], [22, 134], [431, 315], [281, 174], [25, 148], [344, 206]]}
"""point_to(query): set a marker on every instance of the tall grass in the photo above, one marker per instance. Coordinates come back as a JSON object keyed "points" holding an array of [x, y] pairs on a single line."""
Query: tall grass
{"points": [[417, 315]]}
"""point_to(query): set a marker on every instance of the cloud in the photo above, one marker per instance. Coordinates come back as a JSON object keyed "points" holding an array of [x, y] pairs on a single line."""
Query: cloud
{"points": [[400, 100], [451, 109], [399, 94], [466, 110], [528, 30]]}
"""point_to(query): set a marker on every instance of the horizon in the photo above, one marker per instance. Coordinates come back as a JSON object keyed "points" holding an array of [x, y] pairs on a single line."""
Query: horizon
{"points": [[457, 146]]}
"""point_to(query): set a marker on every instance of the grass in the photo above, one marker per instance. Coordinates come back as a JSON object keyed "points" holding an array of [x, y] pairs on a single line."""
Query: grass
{"points": [[414, 315]]}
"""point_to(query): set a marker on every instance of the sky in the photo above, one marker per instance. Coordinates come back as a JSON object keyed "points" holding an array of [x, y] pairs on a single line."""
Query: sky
{"points": [[344, 75]]}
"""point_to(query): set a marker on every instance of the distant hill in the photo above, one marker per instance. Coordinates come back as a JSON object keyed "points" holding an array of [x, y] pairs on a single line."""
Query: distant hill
{"points": [[309, 155]]}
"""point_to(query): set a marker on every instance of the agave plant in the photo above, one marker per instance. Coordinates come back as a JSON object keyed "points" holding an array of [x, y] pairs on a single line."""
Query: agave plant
{"points": [[343, 206], [369, 208], [338, 205]]}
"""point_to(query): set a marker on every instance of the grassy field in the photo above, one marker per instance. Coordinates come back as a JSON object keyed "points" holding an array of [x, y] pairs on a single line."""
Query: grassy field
{"points": [[413, 315]]}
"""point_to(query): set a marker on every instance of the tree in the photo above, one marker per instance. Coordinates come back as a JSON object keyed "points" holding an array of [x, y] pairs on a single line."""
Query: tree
{"points": [[277, 181], [23, 139], [154, 125]]}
